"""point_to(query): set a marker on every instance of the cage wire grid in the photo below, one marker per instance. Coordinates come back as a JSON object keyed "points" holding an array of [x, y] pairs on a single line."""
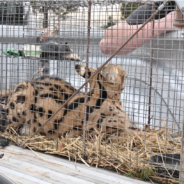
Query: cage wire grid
{"points": [[129, 117]]}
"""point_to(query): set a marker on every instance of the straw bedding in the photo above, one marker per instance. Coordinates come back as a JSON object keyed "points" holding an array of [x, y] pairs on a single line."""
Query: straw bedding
{"points": [[128, 155]]}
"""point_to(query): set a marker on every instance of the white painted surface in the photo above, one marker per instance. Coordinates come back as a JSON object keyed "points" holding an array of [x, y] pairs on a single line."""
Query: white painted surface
{"points": [[24, 166]]}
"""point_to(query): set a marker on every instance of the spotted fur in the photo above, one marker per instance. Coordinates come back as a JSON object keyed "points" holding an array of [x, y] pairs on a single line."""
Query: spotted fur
{"points": [[23, 101], [18, 104], [105, 91], [104, 111]]}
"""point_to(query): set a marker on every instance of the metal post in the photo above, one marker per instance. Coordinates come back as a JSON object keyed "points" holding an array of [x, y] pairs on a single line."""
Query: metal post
{"points": [[151, 72], [181, 177], [86, 78], [45, 62]]}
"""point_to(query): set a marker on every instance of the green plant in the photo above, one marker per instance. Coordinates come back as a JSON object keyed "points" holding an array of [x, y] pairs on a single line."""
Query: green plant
{"points": [[143, 174], [131, 174], [146, 173]]}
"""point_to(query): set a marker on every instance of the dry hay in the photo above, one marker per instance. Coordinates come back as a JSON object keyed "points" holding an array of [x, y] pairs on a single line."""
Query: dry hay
{"points": [[128, 155]]}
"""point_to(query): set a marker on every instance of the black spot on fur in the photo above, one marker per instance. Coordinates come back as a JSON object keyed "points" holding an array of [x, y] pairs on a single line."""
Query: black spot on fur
{"points": [[99, 122], [21, 99], [53, 90], [84, 75], [36, 94], [39, 124], [50, 131], [57, 86], [74, 105], [66, 96], [77, 68], [55, 97], [90, 130], [39, 88], [108, 127], [32, 84], [111, 108], [89, 74], [41, 111], [77, 128], [56, 78], [21, 87], [12, 105], [102, 115], [56, 125], [34, 129], [103, 94], [29, 122], [48, 95], [24, 113], [89, 96], [49, 77], [89, 110], [70, 87], [62, 91], [7, 111], [119, 109], [44, 83], [49, 113], [32, 107], [15, 119]]}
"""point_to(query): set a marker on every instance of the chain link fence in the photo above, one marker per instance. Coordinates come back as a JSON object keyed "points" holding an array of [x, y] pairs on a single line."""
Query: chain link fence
{"points": [[99, 82]]}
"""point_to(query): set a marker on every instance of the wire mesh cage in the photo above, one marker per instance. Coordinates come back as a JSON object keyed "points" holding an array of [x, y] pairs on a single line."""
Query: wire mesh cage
{"points": [[97, 81]]}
